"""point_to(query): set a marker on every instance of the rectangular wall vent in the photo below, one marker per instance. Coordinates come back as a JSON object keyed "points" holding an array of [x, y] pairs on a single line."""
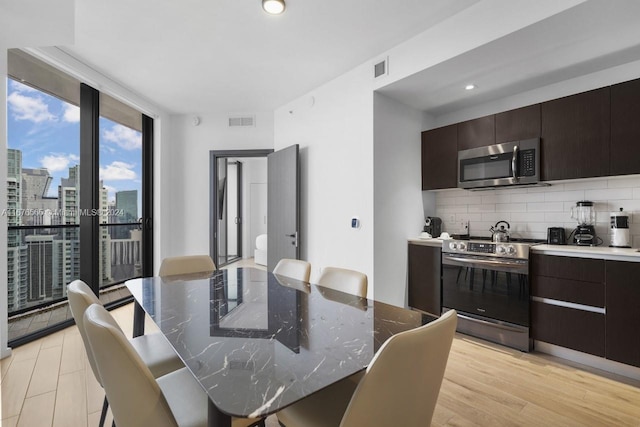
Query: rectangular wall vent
{"points": [[242, 121], [380, 68]]}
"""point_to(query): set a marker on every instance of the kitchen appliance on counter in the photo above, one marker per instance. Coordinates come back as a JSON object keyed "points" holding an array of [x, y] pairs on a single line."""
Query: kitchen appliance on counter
{"points": [[500, 234], [488, 284], [556, 236], [509, 163], [433, 225], [619, 236], [585, 233]]}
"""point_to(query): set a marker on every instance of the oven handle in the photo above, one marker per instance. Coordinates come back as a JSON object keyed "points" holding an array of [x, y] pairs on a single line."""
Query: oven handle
{"points": [[475, 262], [492, 324]]}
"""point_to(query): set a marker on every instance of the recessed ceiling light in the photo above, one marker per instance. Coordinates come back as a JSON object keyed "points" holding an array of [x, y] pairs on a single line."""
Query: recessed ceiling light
{"points": [[273, 7], [470, 87]]}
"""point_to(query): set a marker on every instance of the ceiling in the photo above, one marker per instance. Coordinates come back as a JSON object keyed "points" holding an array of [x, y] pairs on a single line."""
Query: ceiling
{"points": [[228, 55], [587, 38]]}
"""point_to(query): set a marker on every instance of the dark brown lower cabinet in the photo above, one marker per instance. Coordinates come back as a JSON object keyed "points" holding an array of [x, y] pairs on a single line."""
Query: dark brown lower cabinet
{"points": [[623, 312], [425, 278], [568, 280], [568, 327]]}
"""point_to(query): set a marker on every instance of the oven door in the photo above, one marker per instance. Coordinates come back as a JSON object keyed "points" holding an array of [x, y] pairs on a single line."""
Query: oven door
{"points": [[493, 288]]}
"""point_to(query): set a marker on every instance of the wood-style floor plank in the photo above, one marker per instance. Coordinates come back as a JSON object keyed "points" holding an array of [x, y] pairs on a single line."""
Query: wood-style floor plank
{"points": [[15, 385], [484, 385], [38, 410], [71, 400], [45, 373]]}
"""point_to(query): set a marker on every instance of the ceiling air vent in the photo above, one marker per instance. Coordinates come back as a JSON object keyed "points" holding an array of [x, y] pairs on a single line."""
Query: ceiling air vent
{"points": [[242, 121], [380, 68]]}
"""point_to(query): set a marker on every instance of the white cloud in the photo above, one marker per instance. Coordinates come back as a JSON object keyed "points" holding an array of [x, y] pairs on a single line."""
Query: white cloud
{"points": [[117, 171], [29, 108], [124, 137], [71, 113], [55, 162], [17, 86]]}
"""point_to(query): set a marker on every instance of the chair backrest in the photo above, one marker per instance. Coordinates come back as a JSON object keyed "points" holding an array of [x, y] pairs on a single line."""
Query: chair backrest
{"points": [[134, 395], [293, 268], [186, 265], [402, 383], [349, 281], [80, 298]]}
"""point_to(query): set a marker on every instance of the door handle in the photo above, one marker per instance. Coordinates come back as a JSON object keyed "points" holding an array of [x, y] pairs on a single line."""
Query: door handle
{"points": [[514, 164], [294, 236]]}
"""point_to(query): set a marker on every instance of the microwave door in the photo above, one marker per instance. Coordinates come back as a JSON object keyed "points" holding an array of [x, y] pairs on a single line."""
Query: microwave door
{"points": [[487, 169]]}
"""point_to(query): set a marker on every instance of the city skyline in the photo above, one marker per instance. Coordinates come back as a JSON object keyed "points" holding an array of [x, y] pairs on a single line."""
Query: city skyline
{"points": [[47, 131]]}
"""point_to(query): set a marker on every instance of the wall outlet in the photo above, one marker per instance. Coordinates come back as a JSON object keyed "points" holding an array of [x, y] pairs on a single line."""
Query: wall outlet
{"points": [[463, 226]]}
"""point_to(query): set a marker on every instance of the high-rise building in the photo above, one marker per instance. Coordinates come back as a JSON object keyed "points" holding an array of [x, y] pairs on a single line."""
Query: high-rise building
{"points": [[105, 238], [36, 203], [16, 250], [68, 204], [127, 209], [127, 204]]}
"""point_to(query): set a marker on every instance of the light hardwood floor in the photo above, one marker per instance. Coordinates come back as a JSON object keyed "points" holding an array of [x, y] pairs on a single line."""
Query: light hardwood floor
{"points": [[49, 383]]}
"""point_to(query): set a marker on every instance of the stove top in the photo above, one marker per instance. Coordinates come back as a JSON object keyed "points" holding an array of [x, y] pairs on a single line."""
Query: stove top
{"points": [[484, 247], [488, 239]]}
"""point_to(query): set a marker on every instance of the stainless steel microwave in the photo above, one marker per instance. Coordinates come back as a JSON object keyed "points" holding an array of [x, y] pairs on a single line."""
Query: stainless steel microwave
{"points": [[510, 163]]}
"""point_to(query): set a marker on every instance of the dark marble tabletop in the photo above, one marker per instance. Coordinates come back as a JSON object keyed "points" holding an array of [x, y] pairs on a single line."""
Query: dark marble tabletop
{"points": [[257, 342]]}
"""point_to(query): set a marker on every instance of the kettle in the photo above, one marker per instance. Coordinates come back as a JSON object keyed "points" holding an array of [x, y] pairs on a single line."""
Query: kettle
{"points": [[500, 234]]}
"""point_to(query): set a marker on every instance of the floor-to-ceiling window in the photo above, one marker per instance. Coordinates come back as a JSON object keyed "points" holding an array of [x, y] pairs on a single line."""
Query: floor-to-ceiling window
{"points": [[76, 188]]}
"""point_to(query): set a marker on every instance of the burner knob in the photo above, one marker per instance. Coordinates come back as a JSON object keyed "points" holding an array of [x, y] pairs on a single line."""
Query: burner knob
{"points": [[500, 250], [462, 246], [453, 245], [511, 250]]}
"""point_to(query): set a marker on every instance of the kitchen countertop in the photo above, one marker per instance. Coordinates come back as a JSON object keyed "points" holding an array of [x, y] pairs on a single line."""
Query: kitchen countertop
{"points": [[426, 242], [599, 252]]}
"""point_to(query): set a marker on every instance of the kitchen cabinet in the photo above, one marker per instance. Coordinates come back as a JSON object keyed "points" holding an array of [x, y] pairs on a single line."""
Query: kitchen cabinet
{"points": [[562, 280], [519, 124], [576, 135], [625, 128], [440, 158], [623, 314], [478, 132], [425, 278]]}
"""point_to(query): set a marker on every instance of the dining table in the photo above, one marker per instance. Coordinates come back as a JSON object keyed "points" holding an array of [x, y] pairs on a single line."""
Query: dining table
{"points": [[257, 342]]}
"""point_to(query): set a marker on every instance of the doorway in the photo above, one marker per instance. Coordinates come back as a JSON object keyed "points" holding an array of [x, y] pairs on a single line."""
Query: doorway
{"points": [[238, 203]]}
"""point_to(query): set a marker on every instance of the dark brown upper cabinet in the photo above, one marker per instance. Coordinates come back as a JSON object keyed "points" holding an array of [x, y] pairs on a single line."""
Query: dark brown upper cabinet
{"points": [[576, 136], [519, 124], [440, 158], [625, 128], [478, 132]]}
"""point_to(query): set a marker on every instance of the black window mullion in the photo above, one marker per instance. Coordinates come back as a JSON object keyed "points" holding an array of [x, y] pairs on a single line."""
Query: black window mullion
{"points": [[89, 187], [147, 196]]}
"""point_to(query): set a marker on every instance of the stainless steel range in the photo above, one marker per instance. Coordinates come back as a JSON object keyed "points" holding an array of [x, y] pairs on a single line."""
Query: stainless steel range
{"points": [[488, 284]]}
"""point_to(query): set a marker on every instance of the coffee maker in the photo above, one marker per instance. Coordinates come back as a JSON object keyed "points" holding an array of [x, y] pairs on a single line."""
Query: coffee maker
{"points": [[585, 233], [620, 230], [433, 225]]}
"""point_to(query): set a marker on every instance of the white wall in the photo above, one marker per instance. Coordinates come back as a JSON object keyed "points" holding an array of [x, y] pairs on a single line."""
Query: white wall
{"points": [[334, 127], [24, 23], [4, 351], [398, 210], [187, 190]]}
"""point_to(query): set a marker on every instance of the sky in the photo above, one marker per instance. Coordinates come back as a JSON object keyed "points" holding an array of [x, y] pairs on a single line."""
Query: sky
{"points": [[47, 131]]}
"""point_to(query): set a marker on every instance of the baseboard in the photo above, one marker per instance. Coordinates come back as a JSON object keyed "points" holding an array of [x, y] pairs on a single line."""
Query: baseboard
{"points": [[588, 360]]}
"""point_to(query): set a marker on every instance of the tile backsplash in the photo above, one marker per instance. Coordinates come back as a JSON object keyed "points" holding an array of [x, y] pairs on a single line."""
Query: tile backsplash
{"points": [[530, 211]]}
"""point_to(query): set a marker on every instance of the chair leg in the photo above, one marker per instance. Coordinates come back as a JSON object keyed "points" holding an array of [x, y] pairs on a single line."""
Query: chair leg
{"points": [[103, 415]]}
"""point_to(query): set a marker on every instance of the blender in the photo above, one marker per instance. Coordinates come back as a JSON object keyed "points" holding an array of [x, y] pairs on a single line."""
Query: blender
{"points": [[585, 215]]}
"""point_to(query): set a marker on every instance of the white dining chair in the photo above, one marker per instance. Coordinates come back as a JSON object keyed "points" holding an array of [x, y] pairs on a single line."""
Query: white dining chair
{"points": [[341, 279], [293, 268], [189, 264], [137, 398], [399, 388], [154, 350]]}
